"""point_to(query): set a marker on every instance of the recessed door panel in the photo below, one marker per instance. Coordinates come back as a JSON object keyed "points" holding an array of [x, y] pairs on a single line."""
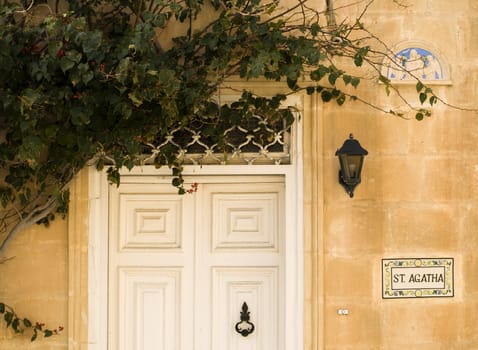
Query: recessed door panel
{"points": [[245, 308], [150, 221], [149, 308], [245, 220]]}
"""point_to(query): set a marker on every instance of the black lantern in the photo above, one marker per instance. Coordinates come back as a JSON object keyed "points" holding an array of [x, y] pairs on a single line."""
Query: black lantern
{"points": [[351, 156]]}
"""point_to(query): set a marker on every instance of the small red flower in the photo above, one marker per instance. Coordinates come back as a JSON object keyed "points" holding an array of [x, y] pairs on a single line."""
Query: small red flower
{"points": [[60, 53], [194, 188]]}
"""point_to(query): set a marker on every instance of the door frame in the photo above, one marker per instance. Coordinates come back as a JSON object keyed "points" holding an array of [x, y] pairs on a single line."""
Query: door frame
{"points": [[293, 242], [293, 260]]}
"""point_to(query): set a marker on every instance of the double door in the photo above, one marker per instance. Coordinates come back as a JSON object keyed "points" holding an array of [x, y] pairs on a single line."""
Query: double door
{"points": [[201, 271]]}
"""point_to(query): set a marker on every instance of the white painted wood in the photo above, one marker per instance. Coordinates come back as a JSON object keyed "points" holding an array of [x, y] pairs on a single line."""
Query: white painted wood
{"points": [[258, 287], [255, 269], [292, 293], [97, 261], [265, 255], [245, 221], [149, 312], [169, 266], [152, 270]]}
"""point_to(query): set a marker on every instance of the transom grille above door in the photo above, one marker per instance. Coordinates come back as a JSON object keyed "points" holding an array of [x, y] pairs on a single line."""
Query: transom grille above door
{"points": [[255, 141]]}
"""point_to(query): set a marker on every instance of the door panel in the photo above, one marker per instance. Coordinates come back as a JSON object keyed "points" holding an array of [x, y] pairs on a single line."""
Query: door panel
{"points": [[151, 221], [182, 267], [151, 270], [257, 287], [244, 221], [149, 302]]}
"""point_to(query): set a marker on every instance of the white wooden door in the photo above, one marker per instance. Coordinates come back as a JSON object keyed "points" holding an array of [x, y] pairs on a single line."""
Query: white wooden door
{"points": [[183, 270]]}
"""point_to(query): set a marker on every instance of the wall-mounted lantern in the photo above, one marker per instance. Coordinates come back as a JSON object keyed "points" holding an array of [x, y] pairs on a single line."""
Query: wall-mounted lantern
{"points": [[351, 156]]}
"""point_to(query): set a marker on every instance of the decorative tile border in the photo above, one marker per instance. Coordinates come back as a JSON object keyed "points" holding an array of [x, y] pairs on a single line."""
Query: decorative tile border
{"points": [[417, 278]]}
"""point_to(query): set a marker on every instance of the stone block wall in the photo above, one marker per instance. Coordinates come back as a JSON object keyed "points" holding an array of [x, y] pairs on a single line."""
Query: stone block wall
{"points": [[418, 196], [35, 283]]}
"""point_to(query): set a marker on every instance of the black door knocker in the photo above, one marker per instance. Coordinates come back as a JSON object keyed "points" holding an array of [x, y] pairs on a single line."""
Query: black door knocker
{"points": [[244, 327]]}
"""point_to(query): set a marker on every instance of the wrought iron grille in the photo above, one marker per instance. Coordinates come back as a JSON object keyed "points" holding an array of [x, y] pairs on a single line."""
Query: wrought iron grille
{"points": [[256, 141]]}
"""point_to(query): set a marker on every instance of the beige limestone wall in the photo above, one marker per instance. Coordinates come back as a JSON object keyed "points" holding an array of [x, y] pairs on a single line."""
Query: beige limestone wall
{"points": [[47, 279], [35, 284], [418, 197]]}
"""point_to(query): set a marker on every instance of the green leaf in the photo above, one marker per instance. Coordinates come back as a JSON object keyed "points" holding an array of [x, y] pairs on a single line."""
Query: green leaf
{"points": [[113, 176], [31, 148], [340, 99], [326, 95], [419, 116], [292, 84], [319, 73], [419, 86], [355, 82], [80, 115], [92, 44], [66, 64], [333, 77], [135, 98], [54, 47], [358, 60], [177, 181], [69, 60], [184, 14], [384, 79], [168, 81], [29, 98], [257, 64], [15, 324], [315, 29], [2, 308], [310, 90], [423, 97], [27, 322], [85, 72], [8, 317]]}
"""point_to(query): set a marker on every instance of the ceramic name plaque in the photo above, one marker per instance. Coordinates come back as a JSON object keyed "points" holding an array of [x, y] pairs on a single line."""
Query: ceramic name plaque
{"points": [[417, 278]]}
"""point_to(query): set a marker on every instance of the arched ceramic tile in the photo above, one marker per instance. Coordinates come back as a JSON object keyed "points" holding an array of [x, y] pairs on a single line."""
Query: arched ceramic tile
{"points": [[413, 60]]}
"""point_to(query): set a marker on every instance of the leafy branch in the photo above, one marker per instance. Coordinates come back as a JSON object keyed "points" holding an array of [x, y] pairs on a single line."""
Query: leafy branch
{"points": [[104, 83], [21, 325]]}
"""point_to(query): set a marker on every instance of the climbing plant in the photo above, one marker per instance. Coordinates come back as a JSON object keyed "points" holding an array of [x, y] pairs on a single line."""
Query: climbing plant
{"points": [[23, 325], [103, 82]]}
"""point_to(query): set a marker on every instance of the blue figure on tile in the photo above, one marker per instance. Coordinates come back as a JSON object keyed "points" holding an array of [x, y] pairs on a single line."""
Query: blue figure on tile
{"points": [[416, 63]]}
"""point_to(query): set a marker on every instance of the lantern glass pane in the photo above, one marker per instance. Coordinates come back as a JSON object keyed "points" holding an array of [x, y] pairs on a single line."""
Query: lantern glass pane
{"points": [[351, 167]]}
